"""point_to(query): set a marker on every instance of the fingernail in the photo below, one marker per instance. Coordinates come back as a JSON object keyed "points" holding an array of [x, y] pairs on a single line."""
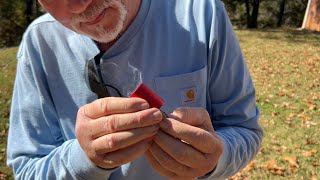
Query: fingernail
{"points": [[157, 115], [144, 105]]}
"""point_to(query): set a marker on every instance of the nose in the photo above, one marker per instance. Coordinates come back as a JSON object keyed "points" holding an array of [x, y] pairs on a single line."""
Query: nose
{"points": [[78, 6]]}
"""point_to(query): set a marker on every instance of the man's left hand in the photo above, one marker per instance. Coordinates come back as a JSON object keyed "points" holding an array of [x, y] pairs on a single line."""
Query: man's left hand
{"points": [[187, 146]]}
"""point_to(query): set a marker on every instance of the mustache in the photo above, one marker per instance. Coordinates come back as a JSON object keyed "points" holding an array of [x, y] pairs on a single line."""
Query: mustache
{"points": [[93, 11]]}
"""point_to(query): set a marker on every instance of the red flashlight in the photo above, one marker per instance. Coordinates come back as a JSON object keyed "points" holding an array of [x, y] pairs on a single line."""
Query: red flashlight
{"points": [[150, 96]]}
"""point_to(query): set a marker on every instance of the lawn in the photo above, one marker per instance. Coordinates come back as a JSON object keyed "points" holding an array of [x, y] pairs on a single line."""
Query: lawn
{"points": [[285, 65]]}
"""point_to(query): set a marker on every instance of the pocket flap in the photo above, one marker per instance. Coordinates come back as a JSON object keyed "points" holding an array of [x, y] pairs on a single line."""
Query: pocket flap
{"points": [[183, 90]]}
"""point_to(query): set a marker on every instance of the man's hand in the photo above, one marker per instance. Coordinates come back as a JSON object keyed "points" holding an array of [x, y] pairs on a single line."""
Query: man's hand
{"points": [[114, 131], [187, 146]]}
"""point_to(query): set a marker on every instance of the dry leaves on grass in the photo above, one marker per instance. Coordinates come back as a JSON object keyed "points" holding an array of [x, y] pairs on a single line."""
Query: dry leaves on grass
{"points": [[316, 163], [240, 176], [309, 153], [293, 165], [274, 168], [250, 166]]}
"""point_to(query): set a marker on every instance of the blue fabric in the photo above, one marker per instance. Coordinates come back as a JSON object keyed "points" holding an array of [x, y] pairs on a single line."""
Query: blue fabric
{"points": [[174, 45]]}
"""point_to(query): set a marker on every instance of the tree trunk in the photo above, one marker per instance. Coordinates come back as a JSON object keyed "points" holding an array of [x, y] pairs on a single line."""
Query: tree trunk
{"points": [[254, 15], [248, 13], [28, 11], [281, 13], [37, 9]]}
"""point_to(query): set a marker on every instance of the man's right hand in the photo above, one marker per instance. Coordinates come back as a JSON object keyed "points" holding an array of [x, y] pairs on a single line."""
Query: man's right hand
{"points": [[114, 131]]}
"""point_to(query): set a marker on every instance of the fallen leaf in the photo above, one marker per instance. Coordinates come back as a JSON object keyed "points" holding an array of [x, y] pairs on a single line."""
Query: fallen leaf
{"points": [[316, 163], [290, 116], [312, 107], [311, 123], [274, 168], [293, 165], [292, 161], [273, 114], [304, 117], [250, 166], [314, 97], [309, 153]]}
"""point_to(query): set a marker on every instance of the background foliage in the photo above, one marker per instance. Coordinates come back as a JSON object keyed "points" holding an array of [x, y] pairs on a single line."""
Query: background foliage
{"points": [[16, 15], [271, 13]]}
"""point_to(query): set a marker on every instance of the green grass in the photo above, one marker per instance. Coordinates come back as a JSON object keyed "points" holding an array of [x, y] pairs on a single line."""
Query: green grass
{"points": [[285, 65], [7, 74]]}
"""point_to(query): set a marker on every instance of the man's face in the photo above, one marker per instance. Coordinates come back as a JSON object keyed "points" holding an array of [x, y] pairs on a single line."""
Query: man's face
{"points": [[101, 20]]}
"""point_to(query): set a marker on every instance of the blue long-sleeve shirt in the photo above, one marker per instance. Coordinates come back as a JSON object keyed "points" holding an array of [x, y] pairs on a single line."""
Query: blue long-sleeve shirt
{"points": [[176, 46]]}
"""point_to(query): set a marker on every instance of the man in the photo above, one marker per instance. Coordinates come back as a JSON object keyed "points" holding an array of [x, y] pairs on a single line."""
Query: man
{"points": [[184, 50]]}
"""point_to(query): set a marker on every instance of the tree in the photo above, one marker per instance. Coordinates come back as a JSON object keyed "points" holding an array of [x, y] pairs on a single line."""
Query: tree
{"points": [[281, 12], [252, 14], [28, 11], [15, 16], [12, 22], [271, 13], [251, 10]]}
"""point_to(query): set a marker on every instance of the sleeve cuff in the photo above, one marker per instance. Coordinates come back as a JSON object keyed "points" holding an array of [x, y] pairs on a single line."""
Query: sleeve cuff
{"points": [[83, 167]]}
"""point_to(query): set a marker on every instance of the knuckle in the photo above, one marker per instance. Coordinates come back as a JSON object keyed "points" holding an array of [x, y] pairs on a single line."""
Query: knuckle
{"points": [[188, 113], [92, 153], [78, 129], [165, 162], [131, 104], [183, 155], [202, 113], [110, 162], [126, 106], [111, 141], [111, 124], [138, 119], [185, 113], [103, 105], [82, 111], [200, 137]]}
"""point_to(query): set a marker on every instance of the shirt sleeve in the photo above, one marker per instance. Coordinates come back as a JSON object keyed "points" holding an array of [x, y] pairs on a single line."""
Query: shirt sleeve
{"points": [[232, 103], [36, 148]]}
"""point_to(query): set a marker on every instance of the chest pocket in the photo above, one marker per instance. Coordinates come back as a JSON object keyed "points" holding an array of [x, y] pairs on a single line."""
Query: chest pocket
{"points": [[183, 90]]}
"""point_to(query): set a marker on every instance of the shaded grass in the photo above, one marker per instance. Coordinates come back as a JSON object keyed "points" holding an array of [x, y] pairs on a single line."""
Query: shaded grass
{"points": [[285, 65]]}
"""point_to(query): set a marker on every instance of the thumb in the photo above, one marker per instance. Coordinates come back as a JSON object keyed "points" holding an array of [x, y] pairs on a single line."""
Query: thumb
{"points": [[194, 116]]}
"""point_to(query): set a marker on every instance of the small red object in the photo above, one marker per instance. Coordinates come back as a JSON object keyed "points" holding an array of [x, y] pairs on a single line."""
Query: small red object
{"points": [[150, 96]]}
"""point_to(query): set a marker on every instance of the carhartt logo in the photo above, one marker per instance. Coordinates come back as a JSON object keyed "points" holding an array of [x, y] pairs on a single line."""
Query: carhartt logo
{"points": [[189, 95]]}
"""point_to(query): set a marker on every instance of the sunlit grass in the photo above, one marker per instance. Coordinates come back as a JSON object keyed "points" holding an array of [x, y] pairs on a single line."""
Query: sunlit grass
{"points": [[285, 66]]}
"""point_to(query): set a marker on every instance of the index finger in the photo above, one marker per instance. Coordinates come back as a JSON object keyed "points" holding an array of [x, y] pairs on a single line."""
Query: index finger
{"points": [[113, 105]]}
